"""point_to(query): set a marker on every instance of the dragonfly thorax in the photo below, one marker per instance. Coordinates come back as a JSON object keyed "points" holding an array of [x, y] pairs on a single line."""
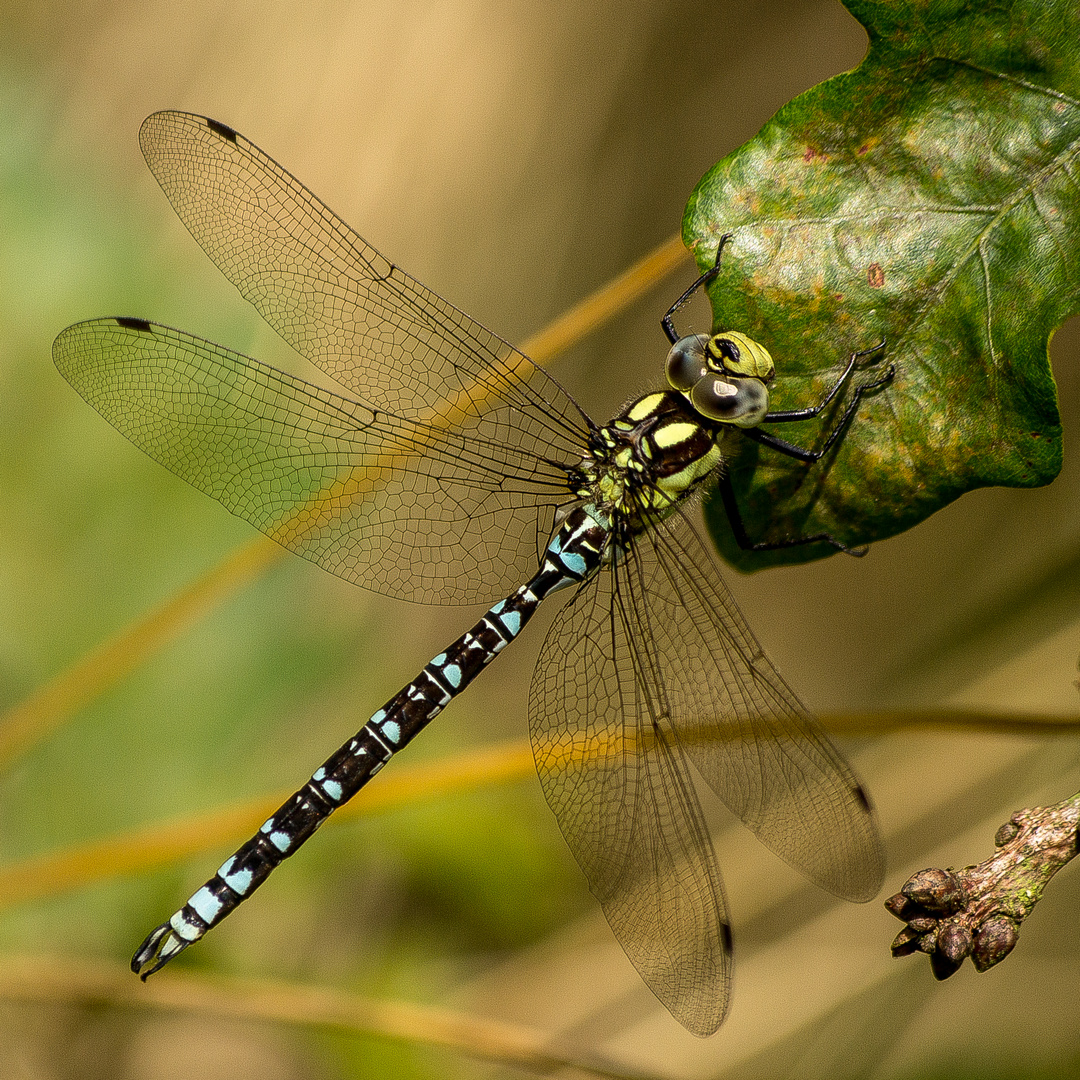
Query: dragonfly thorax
{"points": [[649, 458]]}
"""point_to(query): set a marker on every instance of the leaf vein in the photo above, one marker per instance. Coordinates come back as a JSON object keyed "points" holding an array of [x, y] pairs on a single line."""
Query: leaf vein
{"points": [[1015, 80]]}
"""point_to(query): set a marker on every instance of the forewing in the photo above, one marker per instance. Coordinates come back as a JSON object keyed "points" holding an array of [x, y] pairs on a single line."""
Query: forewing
{"points": [[744, 729], [337, 301], [414, 510], [617, 781]]}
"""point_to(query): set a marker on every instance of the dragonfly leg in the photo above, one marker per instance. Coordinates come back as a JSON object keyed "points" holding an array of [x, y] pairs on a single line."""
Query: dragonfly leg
{"points": [[738, 529], [786, 417], [799, 453], [666, 321]]}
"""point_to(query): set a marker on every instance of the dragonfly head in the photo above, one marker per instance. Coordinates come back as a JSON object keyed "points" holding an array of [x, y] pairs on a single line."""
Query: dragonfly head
{"points": [[724, 376]]}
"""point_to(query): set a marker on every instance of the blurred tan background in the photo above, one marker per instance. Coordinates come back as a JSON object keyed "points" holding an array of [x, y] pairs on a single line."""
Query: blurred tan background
{"points": [[513, 157]]}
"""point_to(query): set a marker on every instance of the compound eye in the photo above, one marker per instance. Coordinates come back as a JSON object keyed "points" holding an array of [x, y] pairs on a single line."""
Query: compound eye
{"points": [[742, 402], [686, 361]]}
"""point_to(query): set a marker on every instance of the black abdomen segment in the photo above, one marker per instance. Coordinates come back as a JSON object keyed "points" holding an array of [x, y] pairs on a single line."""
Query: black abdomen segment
{"points": [[573, 555]]}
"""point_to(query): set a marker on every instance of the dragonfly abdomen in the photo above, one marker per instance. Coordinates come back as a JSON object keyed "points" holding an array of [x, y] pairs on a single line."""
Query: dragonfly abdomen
{"points": [[574, 553]]}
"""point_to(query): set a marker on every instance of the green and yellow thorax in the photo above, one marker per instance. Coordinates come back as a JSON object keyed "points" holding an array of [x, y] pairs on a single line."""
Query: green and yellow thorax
{"points": [[649, 458]]}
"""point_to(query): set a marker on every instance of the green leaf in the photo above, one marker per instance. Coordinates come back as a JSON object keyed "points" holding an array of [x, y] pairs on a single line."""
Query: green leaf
{"points": [[930, 197]]}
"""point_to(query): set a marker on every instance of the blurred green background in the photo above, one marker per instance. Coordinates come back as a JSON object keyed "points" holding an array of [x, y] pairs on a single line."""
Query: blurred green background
{"points": [[514, 158]]}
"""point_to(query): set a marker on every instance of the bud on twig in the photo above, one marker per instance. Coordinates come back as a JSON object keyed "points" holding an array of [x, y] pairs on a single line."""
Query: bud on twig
{"points": [[936, 890], [1008, 832], [994, 941], [898, 904], [907, 941], [942, 966], [955, 942], [977, 911]]}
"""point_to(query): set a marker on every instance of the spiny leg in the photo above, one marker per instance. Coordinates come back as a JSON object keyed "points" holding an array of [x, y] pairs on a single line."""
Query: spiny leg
{"points": [[800, 453], [785, 417], [727, 491], [738, 528], [666, 322]]}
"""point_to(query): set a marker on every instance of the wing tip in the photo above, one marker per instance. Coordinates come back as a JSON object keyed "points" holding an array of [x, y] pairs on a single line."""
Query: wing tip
{"points": [[702, 1019], [129, 323], [153, 127], [218, 128], [858, 880]]}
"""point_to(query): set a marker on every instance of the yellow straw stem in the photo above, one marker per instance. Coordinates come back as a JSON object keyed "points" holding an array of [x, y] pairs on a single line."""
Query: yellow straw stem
{"points": [[51, 980], [164, 843], [606, 302], [169, 842], [104, 666]]}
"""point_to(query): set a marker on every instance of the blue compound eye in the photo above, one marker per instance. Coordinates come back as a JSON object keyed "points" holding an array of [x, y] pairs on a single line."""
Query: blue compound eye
{"points": [[686, 361], [742, 402]]}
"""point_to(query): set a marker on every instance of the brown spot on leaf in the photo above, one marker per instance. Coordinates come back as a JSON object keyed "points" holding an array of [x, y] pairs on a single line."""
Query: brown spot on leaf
{"points": [[812, 153], [875, 276]]}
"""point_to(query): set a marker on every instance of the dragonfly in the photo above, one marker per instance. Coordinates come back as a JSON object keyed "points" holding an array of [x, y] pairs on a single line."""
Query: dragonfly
{"points": [[452, 468]]}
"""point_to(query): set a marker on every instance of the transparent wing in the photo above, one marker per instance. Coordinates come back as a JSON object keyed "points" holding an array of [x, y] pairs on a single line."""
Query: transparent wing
{"points": [[650, 664], [416, 510], [616, 778], [741, 725], [334, 298]]}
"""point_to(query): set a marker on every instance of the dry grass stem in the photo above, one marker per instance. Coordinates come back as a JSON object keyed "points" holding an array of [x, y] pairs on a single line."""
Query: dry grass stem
{"points": [[972, 720], [55, 979], [162, 844], [169, 842], [604, 304], [104, 666]]}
